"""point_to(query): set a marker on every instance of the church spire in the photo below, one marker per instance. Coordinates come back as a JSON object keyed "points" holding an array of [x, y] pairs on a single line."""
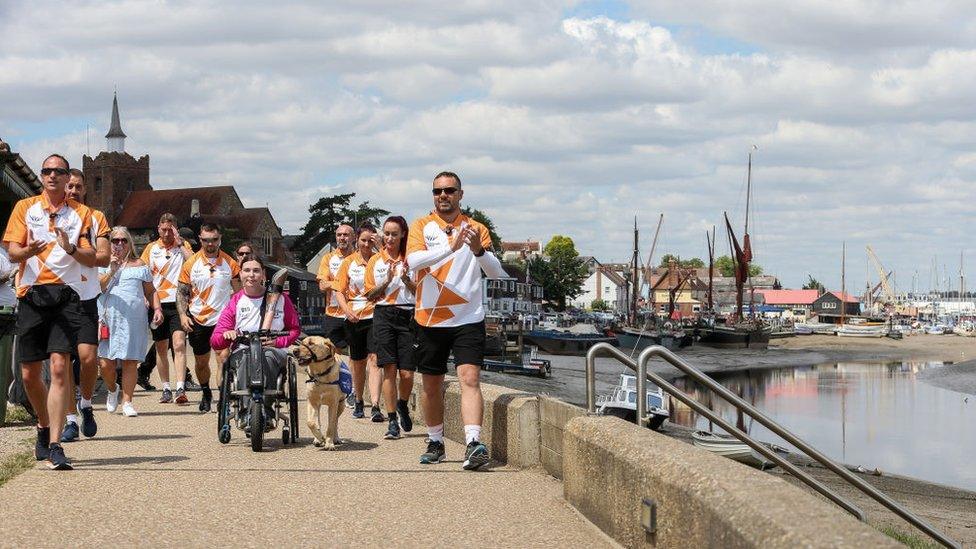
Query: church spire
{"points": [[115, 136]]}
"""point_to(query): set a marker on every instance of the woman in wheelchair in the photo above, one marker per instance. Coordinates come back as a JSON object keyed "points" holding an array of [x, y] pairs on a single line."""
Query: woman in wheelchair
{"points": [[244, 313]]}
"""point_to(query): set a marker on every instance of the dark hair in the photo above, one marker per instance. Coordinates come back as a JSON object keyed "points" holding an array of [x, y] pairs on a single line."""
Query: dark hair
{"points": [[402, 223], [254, 258], [365, 226], [168, 218], [63, 159], [210, 228], [452, 175], [248, 244], [77, 173]]}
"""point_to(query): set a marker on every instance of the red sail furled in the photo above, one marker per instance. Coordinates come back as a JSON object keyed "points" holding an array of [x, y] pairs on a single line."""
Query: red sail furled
{"points": [[746, 249]]}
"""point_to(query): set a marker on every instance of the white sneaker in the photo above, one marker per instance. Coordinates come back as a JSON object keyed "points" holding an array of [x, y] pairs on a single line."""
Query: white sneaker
{"points": [[128, 410], [112, 400]]}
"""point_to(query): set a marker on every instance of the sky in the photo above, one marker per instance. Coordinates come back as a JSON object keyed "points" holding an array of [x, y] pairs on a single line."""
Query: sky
{"points": [[561, 117]]}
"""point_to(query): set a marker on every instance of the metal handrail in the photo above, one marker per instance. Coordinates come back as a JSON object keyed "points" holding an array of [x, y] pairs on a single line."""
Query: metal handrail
{"points": [[640, 367]]}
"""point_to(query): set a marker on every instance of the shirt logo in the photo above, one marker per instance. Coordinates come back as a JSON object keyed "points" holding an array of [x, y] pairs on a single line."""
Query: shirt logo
{"points": [[34, 219]]}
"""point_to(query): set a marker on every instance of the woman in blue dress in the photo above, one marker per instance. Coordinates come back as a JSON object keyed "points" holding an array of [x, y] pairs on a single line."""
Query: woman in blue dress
{"points": [[127, 288]]}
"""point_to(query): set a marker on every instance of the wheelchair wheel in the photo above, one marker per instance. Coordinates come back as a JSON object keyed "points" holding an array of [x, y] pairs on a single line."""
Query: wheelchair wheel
{"points": [[257, 425], [293, 401], [223, 404]]}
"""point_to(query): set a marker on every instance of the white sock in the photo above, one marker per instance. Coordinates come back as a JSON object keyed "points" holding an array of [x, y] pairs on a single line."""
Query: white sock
{"points": [[72, 418], [436, 433], [472, 433], [179, 385], [166, 386], [85, 403]]}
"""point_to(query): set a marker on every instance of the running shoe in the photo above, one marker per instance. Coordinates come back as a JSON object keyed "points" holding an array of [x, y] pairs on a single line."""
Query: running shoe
{"points": [[191, 385], [181, 397], [350, 400], [205, 400], [56, 459], [112, 400], [41, 445], [128, 410], [475, 455], [357, 412], [393, 432], [70, 432], [377, 415], [88, 426], [167, 397], [145, 383], [434, 453], [403, 410]]}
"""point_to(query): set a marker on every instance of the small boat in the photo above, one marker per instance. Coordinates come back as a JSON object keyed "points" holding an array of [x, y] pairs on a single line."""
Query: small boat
{"points": [[530, 365], [622, 402], [669, 338], [860, 330], [744, 335], [559, 342], [809, 328], [965, 330], [936, 329], [733, 448]]}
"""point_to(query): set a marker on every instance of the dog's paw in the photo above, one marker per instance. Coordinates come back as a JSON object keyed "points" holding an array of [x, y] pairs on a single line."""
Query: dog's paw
{"points": [[328, 445], [318, 443]]}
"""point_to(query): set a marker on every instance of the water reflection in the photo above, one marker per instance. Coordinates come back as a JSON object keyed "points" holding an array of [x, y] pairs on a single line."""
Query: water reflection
{"points": [[869, 414]]}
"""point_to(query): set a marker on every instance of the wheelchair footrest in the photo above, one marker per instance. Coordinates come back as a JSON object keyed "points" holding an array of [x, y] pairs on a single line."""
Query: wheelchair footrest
{"points": [[268, 393]]}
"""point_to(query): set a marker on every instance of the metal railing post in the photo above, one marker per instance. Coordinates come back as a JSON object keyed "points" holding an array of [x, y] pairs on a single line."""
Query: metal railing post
{"points": [[641, 391]]}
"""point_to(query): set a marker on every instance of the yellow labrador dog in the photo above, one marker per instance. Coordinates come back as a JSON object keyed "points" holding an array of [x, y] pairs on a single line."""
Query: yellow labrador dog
{"points": [[319, 357]]}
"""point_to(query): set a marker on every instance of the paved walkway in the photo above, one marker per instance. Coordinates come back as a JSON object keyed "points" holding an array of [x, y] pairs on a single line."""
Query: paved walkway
{"points": [[163, 479]]}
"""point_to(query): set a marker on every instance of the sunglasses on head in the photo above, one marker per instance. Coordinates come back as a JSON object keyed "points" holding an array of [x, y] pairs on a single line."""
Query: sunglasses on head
{"points": [[448, 190], [58, 171]]}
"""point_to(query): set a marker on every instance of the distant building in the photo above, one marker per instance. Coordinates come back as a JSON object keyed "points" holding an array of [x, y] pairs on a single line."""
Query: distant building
{"points": [[604, 284], [828, 306], [17, 181], [514, 295], [690, 292], [795, 304], [520, 251]]}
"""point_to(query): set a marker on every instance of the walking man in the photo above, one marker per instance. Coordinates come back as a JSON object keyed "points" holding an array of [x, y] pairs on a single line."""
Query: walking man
{"points": [[208, 279], [334, 323], [449, 250], [165, 258], [49, 236], [89, 289]]}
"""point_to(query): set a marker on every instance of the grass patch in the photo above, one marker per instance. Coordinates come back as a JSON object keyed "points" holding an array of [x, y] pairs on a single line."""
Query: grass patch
{"points": [[16, 414], [14, 465], [911, 540]]}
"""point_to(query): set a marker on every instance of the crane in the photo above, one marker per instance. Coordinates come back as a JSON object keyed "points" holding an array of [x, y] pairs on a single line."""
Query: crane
{"points": [[888, 295]]}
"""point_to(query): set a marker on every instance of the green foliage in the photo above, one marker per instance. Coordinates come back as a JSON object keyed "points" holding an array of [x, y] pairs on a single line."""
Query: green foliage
{"points": [[693, 263], [814, 284], [15, 464], [911, 540], [726, 266], [482, 217], [599, 305], [561, 272], [327, 213]]}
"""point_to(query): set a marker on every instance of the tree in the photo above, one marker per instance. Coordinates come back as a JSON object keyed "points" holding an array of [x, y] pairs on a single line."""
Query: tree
{"points": [[327, 213], [599, 305], [814, 284], [726, 266], [482, 217], [561, 272], [693, 263]]}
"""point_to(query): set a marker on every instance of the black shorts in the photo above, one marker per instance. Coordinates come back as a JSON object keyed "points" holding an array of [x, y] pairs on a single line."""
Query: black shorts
{"points": [[46, 322], [170, 325], [360, 338], [393, 336], [86, 321], [199, 338], [434, 345], [335, 330]]}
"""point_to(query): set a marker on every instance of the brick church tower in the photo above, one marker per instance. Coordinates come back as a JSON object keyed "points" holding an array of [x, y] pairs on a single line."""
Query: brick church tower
{"points": [[114, 174]]}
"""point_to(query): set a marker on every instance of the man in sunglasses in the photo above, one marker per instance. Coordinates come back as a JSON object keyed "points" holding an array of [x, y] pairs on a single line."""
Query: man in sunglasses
{"points": [[208, 280], [49, 235], [334, 322], [85, 364], [165, 257], [450, 250]]}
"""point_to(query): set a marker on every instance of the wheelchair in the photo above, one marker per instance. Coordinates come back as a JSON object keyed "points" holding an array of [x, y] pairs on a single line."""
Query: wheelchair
{"points": [[253, 391]]}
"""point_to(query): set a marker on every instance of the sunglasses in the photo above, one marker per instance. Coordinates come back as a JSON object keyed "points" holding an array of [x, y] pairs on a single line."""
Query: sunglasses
{"points": [[244, 252], [210, 240], [58, 171], [448, 190], [119, 241]]}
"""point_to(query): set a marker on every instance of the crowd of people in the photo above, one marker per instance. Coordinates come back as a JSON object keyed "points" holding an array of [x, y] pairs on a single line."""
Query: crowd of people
{"points": [[399, 300]]}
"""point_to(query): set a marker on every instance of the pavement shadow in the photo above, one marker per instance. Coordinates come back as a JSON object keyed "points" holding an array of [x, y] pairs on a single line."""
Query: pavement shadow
{"points": [[354, 446], [127, 438], [129, 460], [187, 412]]}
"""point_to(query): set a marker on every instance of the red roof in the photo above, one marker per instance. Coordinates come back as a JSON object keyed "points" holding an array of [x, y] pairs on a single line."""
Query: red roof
{"points": [[143, 208], [789, 297], [849, 297]]}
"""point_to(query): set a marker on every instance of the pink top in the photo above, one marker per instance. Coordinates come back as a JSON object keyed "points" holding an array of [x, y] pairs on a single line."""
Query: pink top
{"points": [[243, 313]]}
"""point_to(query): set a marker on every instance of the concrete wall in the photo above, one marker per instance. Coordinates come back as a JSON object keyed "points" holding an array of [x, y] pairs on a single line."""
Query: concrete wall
{"points": [[554, 414]]}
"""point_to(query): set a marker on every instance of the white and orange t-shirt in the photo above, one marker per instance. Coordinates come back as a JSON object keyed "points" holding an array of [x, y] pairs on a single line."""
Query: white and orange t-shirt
{"points": [[90, 286], [210, 285], [449, 282], [328, 269], [165, 265], [377, 273], [351, 281], [53, 265]]}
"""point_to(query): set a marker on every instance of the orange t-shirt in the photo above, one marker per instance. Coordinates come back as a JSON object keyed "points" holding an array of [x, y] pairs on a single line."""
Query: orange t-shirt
{"points": [[165, 265], [377, 273], [328, 268], [351, 281], [210, 285]]}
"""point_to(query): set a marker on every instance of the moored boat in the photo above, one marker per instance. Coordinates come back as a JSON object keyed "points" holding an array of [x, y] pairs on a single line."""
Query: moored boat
{"points": [[744, 335], [622, 402], [733, 448], [558, 342], [634, 338], [860, 330]]}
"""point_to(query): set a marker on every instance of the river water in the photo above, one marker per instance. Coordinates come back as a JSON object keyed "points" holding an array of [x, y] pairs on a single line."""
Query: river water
{"points": [[872, 414]]}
